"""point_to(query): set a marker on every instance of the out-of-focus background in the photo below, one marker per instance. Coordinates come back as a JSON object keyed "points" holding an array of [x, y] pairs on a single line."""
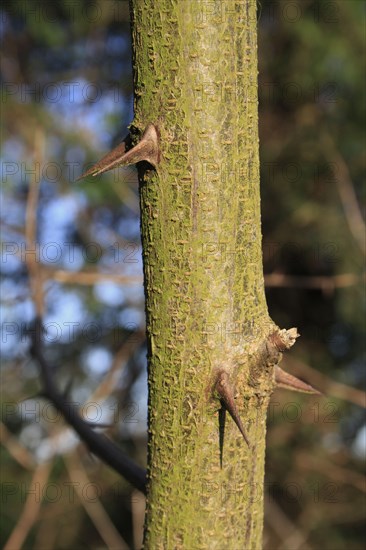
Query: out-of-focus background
{"points": [[66, 100]]}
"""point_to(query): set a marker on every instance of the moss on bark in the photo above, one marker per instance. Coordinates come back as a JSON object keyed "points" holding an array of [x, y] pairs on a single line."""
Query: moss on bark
{"points": [[195, 66]]}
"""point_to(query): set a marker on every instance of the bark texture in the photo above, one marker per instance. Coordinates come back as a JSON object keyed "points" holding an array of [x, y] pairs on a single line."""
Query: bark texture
{"points": [[195, 67]]}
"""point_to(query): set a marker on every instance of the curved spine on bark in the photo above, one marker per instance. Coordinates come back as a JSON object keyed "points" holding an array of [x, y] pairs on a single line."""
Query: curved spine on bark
{"points": [[147, 149]]}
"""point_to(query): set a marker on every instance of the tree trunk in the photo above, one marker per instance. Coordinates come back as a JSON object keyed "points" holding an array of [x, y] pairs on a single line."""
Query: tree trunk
{"points": [[195, 67]]}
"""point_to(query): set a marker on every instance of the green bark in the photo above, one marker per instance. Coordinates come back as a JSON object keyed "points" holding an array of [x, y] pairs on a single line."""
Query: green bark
{"points": [[195, 65]]}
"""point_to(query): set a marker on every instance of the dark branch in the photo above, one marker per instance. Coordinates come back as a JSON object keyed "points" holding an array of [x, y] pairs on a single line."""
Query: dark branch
{"points": [[98, 443]]}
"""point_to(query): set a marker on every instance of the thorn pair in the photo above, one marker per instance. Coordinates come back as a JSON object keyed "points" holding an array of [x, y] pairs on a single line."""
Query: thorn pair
{"points": [[280, 340], [146, 150]]}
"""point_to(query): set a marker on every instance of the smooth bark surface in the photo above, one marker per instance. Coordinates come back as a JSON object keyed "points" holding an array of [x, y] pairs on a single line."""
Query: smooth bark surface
{"points": [[195, 65]]}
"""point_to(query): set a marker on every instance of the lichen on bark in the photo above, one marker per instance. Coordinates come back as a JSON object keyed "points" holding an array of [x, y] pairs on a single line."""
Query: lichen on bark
{"points": [[195, 70]]}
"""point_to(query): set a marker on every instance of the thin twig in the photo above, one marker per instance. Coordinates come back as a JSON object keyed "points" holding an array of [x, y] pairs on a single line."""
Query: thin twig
{"points": [[289, 534], [17, 451], [90, 277], [324, 283], [346, 192], [109, 382], [138, 505], [32, 263], [31, 509], [93, 507], [316, 463]]}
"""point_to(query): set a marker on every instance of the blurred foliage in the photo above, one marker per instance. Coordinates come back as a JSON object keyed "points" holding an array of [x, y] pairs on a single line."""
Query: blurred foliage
{"points": [[66, 99]]}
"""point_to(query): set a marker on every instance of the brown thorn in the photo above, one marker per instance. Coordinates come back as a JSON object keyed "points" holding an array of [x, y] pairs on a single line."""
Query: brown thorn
{"points": [[226, 394], [285, 380], [146, 150], [112, 157]]}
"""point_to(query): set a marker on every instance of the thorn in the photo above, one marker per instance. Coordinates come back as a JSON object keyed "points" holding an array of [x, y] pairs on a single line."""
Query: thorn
{"points": [[285, 380], [147, 149], [226, 394], [110, 158]]}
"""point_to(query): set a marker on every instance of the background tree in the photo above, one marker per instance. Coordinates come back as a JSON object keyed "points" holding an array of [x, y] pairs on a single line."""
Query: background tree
{"points": [[309, 88]]}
